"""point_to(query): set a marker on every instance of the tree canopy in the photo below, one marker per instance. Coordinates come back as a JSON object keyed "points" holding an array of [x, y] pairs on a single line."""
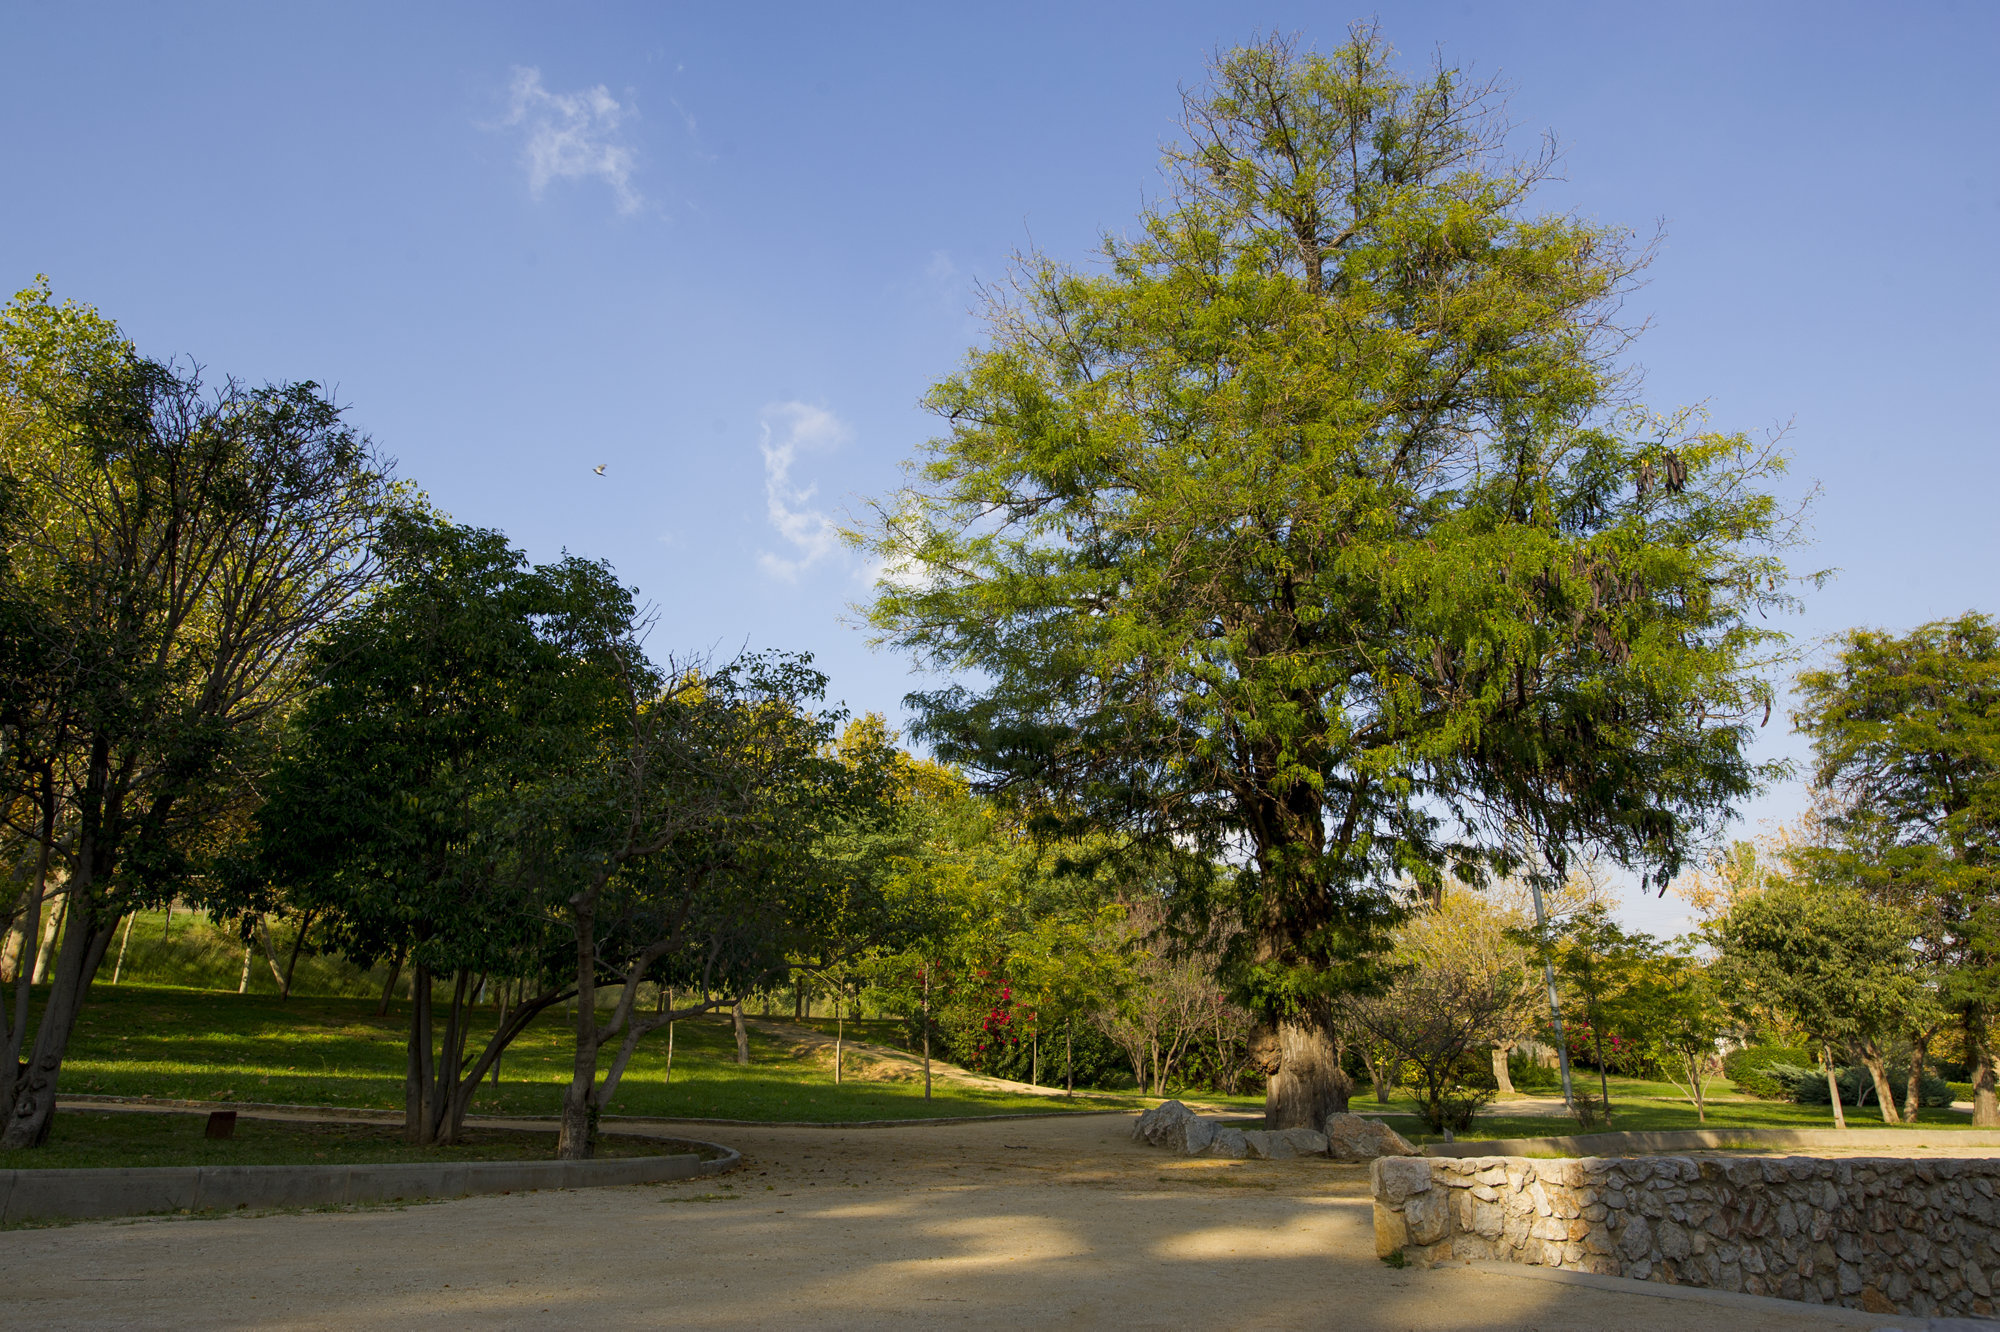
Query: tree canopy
{"points": [[1314, 534]]}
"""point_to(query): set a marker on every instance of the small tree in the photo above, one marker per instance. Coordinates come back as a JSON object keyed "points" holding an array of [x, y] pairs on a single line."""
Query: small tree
{"points": [[1841, 968], [1671, 1006]]}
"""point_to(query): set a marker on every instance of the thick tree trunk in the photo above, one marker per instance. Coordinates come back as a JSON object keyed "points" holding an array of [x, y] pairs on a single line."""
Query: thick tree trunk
{"points": [[1308, 1084], [30, 927], [417, 1074], [1501, 1077], [1833, 1090], [1985, 1103], [1878, 1073], [1920, 1048], [742, 1034], [85, 940], [578, 1137]]}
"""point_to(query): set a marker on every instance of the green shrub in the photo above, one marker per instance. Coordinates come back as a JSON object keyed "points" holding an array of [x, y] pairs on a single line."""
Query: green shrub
{"points": [[1528, 1075], [1747, 1068], [1960, 1091], [1809, 1085]]}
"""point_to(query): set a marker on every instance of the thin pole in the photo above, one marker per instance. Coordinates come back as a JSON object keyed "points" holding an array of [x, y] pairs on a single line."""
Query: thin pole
{"points": [[1555, 1004]]}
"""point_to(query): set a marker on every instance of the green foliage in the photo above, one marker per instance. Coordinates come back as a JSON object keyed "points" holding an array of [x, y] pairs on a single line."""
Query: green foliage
{"points": [[1806, 1085], [1906, 741], [1749, 1068], [1309, 525], [1838, 966], [1530, 1075]]}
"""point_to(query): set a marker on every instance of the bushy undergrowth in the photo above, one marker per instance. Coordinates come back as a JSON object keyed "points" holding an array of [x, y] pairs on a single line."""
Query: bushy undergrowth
{"points": [[1747, 1068], [1807, 1086]]}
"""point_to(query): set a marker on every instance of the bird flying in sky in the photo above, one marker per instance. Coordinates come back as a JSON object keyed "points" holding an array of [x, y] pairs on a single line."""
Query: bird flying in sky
{"points": [[599, 469]]}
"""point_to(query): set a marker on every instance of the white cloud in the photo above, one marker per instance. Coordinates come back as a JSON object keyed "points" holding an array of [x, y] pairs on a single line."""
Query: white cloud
{"points": [[572, 136], [788, 428]]}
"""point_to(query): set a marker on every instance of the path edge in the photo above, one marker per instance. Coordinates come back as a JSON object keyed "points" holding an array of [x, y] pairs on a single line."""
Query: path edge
{"points": [[86, 1194]]}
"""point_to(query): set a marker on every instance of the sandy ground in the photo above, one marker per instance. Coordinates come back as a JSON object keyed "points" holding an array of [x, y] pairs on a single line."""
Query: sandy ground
{"points": [[1056, 1223]]}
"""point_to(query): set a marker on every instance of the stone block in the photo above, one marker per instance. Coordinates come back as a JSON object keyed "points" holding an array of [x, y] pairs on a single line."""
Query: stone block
{"points": [[1428, 1216], [1392, 1233], [1394, 1179]]}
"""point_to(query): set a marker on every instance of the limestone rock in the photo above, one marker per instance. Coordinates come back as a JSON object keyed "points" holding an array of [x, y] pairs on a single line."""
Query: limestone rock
{"points": [[1268, 1146], [1352, 1138], [1167, 1118], [1228, 1143]]}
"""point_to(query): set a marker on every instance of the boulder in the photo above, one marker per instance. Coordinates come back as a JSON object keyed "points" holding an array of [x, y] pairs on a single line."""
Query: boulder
{"points": [[1265, 1145], [1169, 1125], [1352, 1138], [1228, 1143]]}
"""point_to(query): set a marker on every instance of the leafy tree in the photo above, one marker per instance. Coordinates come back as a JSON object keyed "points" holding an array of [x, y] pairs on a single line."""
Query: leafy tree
{"points": [[396, 809], [700, 837], [184, 543], [1671, 1006], [1843, 969], [1906, 744], [1595, 959], [1309, 537]]}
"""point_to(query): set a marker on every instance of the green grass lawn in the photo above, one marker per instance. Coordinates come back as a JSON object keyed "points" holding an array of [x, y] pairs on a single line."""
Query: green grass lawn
{"points": [[1638, 1104], [185, 1044], [126, 1139]]}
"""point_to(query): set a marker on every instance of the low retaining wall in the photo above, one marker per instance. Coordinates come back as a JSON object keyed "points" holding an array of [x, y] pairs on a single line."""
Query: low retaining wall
{"points": [[1636, 1142], [1917, 1236], [27, 1195]]}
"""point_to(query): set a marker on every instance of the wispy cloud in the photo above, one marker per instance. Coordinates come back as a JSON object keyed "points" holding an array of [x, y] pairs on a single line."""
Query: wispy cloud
{"points": [[789, 428], [572, 136]]}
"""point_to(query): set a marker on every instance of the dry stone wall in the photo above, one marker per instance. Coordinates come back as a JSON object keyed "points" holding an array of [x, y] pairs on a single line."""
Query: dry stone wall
{"points": [[1889, 1235]]}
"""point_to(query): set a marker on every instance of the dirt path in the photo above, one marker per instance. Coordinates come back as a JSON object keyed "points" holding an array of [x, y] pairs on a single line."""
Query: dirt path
{"points": [[1060, 1223]]}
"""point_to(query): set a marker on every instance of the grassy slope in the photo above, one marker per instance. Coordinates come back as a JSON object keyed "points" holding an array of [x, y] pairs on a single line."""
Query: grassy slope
{"points": [[104, 1138], [194, 1045]]}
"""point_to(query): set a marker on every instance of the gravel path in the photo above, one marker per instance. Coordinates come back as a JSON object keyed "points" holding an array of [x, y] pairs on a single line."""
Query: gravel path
{"points": [[1059, 1223]]}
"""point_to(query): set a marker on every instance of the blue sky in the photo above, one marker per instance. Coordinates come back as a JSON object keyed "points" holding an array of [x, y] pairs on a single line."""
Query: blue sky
{"points": [[723, 249]]}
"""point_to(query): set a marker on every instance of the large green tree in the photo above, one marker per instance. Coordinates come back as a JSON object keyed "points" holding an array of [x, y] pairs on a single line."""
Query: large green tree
{"points": [[396, 810], [1311, 535], [180, 543], [1906, 745]]}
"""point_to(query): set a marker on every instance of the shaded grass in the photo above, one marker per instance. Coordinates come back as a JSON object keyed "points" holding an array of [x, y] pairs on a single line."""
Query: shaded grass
{"points": [[179, 1044], [88, 1138]]}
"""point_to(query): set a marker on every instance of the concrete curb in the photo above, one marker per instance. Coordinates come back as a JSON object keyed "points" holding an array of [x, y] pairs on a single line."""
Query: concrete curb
{"points": [[1686, 1140], [363, 1114], [36, 1195]]}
